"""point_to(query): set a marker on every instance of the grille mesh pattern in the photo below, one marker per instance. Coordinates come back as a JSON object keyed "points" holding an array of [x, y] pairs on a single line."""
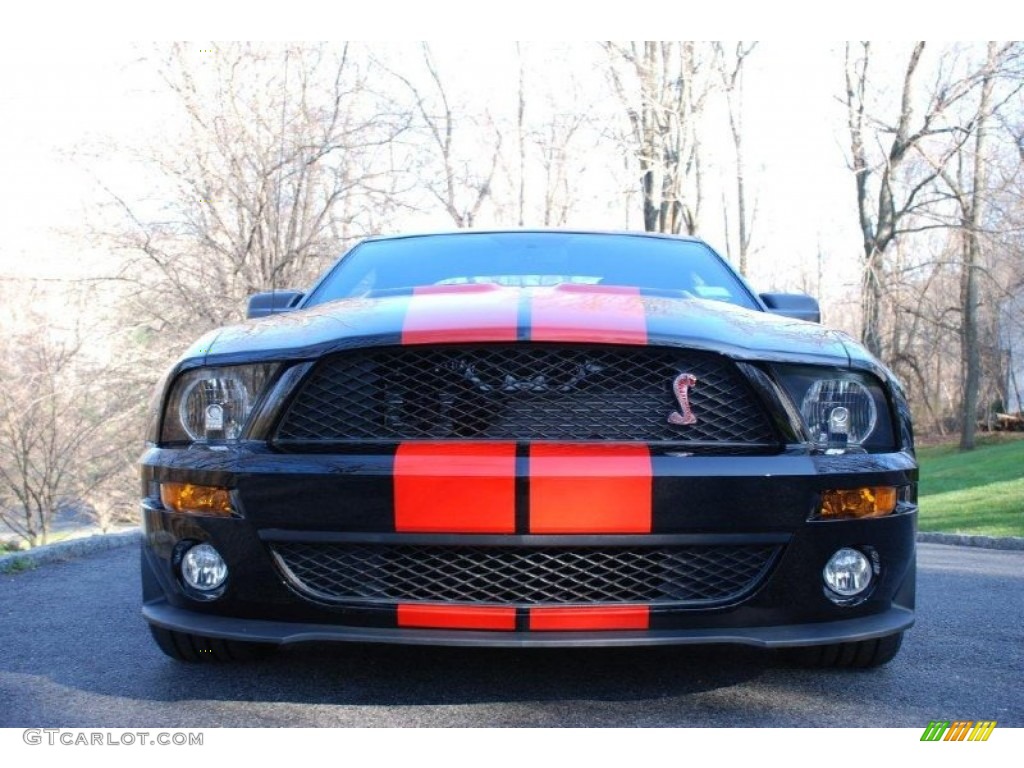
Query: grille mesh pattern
{"points": [[680, 575], [521, 392]]}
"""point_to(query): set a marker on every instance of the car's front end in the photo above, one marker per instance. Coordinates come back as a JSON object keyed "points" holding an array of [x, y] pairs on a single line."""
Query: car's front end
{"points": [[509, 466]]}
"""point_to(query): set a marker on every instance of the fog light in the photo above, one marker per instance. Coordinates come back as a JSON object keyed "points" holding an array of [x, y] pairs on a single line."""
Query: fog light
{"points": [[847, 573], [203, 568]]}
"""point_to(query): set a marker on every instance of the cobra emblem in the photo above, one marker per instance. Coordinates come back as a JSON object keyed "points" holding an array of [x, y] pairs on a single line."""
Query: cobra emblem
{"points": [[681, 388]]}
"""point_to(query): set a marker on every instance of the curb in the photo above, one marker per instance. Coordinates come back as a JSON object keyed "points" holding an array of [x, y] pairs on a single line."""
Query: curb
{"points": [[963, 540], [65, 550]]}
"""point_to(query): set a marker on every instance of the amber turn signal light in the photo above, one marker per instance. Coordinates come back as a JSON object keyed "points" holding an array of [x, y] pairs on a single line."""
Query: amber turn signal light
{"points": [[196, 499], [857, 503]]}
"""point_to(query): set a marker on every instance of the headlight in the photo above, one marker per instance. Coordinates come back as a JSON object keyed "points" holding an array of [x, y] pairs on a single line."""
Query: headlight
{"points": [[841, 409], [211, 405]]}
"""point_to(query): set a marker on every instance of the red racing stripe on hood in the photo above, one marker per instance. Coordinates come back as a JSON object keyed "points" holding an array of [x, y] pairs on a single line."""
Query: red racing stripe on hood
{"points": [[589, 313], [456, 617], [590, 488], [559, 619], [452, 314], [455, 487]]}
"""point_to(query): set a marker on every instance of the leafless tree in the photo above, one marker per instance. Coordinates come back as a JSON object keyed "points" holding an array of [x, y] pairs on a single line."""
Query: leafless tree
{"points": [[451, 176], [555, 143], [63, 420], [890, 189], [968, 183], [973, 213], [730, 71], [663, 87], [283, 149], [521, 133], [943, 276]]}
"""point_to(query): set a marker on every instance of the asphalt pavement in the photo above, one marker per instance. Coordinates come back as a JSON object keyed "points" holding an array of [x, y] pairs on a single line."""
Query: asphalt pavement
{"points": [[75, 652]]}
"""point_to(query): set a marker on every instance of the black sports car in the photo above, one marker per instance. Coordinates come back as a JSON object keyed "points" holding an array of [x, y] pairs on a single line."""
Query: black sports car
{"points": [[530, 439]]}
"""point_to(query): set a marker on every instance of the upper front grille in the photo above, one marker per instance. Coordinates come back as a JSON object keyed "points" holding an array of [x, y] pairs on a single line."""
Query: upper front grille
{"points": [[692, 575], [521, 392]]}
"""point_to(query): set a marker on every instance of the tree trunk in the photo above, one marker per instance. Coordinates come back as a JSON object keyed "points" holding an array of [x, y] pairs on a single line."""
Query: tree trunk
{"points": [[970, 351], [871, 301], [663, 92]]}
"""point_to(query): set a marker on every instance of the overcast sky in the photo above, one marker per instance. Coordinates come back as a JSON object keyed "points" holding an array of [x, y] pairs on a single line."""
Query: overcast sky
{"points": [[73, 97]]}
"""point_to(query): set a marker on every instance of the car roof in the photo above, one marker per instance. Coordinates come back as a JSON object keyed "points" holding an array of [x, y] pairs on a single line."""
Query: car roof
{"points": [[534, 231]]}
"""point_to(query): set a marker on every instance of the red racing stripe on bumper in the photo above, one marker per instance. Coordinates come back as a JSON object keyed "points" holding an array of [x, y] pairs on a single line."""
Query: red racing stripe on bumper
{"points": [[455, 488], [596, 314], [585, 618], [453, 314], [590, 489], [456, 617]]}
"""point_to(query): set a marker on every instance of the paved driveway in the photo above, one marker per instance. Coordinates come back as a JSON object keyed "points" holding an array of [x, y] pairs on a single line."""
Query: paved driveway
{"points": [[75, 652]]}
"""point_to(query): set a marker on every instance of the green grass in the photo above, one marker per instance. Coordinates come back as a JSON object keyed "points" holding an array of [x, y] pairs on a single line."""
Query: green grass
{"points": [[980, 492], [17, 565]]}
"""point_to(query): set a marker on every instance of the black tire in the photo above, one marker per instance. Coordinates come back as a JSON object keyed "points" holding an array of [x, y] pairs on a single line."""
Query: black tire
{"points": [[863, 654], [181, 646]]}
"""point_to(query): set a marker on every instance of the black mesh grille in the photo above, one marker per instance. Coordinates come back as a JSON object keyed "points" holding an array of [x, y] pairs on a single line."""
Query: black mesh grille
{"points": [[521, 392], [680, 575]]}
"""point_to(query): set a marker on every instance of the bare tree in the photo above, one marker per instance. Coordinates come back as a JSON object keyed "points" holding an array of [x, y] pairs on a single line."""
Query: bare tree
{"points": [[968, 183], [555, 141], [730, 71], [940, 280], [521, 133], [64, 422], [887, 194], [663, 88], [451, 177], [282, 151], [1004, 238], [564, 137], [972, 208]]}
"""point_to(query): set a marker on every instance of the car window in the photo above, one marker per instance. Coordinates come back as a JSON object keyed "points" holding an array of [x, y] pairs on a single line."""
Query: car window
{"points": [[529, 259]]}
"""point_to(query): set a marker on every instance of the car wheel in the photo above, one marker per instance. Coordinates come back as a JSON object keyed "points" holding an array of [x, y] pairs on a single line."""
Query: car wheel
{"points": [[181, 646], [858, 655]]}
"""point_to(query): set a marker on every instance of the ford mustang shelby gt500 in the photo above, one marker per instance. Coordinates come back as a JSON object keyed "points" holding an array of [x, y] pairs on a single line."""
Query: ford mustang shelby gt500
{"points": [[530, 439]]}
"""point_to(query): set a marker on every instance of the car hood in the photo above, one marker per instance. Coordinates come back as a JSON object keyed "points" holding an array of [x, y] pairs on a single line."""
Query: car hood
{"points": [[490, 313]]}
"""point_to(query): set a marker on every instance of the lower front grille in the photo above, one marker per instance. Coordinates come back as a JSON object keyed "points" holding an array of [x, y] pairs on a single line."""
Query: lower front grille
{"points": [[705, 575]]}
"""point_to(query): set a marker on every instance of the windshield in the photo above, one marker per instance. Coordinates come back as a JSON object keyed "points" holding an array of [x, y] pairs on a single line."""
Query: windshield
{"points": [[525, 259]]}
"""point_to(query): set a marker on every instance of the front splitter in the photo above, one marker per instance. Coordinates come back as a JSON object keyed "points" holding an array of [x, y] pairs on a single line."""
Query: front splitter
{"points": [[161, 614]]}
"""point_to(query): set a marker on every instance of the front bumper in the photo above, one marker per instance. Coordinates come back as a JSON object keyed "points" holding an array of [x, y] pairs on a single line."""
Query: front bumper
{"points": [[696, 500], [163, 615]]}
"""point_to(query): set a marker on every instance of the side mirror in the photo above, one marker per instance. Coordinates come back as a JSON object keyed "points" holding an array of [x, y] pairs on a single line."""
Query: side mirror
{"points": [[272, 303], [795, 305]]}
